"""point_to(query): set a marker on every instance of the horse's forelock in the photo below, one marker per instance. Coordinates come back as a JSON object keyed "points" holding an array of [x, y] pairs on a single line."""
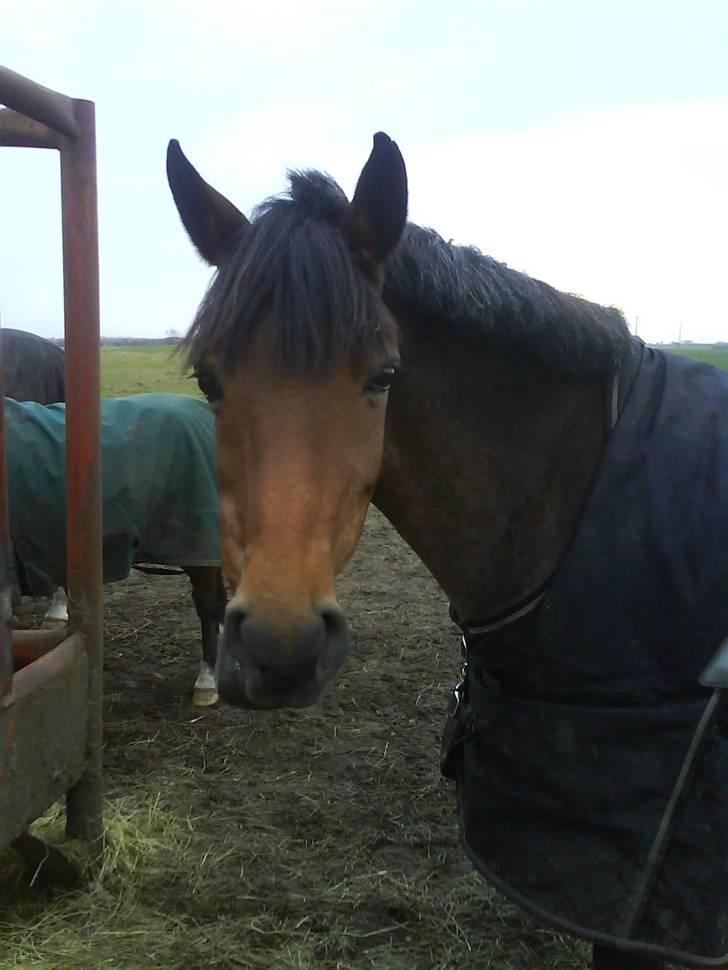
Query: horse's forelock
{"points": [[311, 195], [293, 263], [318, 195]]}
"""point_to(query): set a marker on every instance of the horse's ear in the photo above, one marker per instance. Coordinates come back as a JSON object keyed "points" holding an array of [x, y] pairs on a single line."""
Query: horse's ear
{"points": [[211, 221], [378, 212]]}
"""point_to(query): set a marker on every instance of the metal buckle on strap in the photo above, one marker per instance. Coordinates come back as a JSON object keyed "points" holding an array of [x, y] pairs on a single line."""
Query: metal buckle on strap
{"points": [[715, 674], [458, 724], [458, 691]]}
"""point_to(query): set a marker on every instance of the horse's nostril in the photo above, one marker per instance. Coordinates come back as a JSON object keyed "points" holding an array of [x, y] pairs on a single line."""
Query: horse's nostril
{"points": [[336, 640], [236, 613], [265, 665], [334, 621]]}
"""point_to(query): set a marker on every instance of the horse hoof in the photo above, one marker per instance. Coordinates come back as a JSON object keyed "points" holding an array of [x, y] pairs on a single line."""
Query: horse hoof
{"points": [[204, 696], [49, 623]]}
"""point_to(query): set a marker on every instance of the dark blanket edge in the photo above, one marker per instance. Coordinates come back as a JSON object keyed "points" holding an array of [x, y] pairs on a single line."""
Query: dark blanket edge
{"points": [[566, 926]]}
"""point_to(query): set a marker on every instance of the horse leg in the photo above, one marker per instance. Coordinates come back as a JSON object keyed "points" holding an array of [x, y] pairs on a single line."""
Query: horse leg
{"points": [[605, 958], [209, 597], [57, 613], [49, 865]]}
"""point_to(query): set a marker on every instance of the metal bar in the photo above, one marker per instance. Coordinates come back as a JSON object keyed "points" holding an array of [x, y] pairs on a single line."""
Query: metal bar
{"points": [[74, 121], [29, 645], [30, 98], [43, 728], [7, 664], [20, 131], [6, 592], [43, 670], [83, 445]]}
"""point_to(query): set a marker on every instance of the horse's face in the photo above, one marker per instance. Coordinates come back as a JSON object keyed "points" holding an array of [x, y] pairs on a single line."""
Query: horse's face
{"points": [[298, 460], [299, 453]]}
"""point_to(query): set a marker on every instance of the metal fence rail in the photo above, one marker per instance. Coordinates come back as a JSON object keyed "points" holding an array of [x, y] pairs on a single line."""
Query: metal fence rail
{"points": [[51, 693]]}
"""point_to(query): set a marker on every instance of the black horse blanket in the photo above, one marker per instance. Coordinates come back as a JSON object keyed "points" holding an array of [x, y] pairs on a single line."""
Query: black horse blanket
{"points": [[591, 765], [160, 502]]}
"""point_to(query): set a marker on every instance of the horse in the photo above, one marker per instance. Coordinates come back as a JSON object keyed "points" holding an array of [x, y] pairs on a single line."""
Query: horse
{"points": [[564, 484], [159, 501], [34, 369]]}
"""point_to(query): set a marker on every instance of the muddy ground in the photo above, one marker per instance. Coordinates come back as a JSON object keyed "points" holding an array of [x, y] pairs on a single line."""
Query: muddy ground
{"points": [[322, 838]]}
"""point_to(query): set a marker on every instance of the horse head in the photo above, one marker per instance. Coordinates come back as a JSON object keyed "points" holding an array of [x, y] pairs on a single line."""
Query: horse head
{"points": [[296, 351]]}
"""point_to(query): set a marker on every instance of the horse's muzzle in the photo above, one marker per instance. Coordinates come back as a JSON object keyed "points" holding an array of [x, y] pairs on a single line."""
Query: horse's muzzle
{"points": [[261, 666]]}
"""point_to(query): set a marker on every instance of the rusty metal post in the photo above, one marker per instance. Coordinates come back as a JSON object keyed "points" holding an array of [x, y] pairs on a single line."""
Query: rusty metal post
{"points": [[38, 117], [43, 105], [83, 449], [6, 612], [20, 131]]}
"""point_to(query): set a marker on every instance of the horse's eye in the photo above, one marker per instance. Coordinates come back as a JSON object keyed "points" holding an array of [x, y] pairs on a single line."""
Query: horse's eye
{"points": [[382, 381], [209, 385]]}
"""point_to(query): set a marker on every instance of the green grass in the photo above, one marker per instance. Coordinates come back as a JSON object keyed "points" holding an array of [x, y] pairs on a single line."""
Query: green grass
{"points": [[717, 356], [139, 368]]}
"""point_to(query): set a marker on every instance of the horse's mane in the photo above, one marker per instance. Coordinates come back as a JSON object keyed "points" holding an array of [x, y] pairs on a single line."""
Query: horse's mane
{"points": [[294, 262], [473, 295]]}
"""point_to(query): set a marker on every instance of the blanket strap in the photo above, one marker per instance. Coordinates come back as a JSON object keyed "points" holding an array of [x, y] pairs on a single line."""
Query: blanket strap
{"points": [[158, 570], [460, 723], [715, 675]]}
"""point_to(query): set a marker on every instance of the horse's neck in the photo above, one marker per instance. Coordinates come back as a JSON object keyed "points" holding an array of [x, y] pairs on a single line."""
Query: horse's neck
{"points": [[487, 464]]}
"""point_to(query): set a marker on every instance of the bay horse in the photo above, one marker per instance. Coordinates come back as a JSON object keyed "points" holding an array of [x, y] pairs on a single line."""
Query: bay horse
{"points": [[34, 369], [159, 501], [558, 479]]}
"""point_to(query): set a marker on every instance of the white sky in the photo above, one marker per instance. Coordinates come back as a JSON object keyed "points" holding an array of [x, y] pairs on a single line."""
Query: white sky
{"points": [[585, 143]]}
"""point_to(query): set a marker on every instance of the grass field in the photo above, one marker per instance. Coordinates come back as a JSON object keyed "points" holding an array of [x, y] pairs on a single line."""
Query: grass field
{"points": [[137, 368], [717, 356]]}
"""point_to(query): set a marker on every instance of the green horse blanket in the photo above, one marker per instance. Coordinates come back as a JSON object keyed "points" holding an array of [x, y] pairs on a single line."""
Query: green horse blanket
{"points": [[160, 501]]}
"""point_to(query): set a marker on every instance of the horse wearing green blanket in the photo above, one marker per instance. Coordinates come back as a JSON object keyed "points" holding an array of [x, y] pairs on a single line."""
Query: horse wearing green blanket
{"points": [[160, 502]]}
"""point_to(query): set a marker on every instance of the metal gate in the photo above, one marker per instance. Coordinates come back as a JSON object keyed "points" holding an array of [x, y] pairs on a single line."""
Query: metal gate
{"points": [[51, 688]]}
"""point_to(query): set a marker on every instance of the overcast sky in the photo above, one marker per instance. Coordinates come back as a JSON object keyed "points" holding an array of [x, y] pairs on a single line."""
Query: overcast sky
{"points": [[582, 141]]}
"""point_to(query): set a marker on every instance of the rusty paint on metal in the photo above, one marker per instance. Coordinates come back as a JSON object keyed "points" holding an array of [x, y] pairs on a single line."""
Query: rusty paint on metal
{"points": [[46, 728], [73, 121], [45, 668], [19, 131], [40, 103], [6, 653], [83, 444], [29, 645]]}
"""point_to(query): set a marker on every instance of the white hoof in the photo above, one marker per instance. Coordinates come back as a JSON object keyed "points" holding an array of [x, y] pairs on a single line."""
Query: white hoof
{"points": [[205, 692], [57, 613], [204, 696], [52, 623]]}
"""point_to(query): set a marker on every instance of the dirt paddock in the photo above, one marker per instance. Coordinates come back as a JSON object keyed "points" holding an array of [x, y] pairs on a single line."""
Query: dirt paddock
{"points": [[322, 838]]}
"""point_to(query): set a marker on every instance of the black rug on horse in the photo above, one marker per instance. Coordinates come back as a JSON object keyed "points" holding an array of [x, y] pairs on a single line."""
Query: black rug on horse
{"points": [[160, 499], [593, 777]]}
